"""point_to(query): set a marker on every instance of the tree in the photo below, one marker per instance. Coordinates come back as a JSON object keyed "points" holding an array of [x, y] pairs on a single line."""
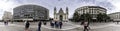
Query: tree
{"points": [[86, 17], [103, 17], [106, 17], [76, 17], [99, 17]]}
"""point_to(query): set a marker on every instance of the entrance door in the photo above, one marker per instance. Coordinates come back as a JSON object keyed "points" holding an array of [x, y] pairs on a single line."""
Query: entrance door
{"points": [[61, 17]]}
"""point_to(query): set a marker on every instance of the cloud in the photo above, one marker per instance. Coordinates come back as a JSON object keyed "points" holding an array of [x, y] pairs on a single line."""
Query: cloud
{"points": [[8, 5], [1, 13]]}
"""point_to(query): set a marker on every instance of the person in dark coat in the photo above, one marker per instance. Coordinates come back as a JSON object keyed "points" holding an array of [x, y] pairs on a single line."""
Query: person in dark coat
{"points": [[27, 25], [60, 24], [5, 22], [39, 26], [52, 24], [55, 24], [45, 23]]}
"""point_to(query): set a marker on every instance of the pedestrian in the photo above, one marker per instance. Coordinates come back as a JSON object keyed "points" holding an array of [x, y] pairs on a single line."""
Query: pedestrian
{"points": [[55, 24], [5, 22], [39, 26], [60, 24], [44, 23], [86, 26], [52, 24], [27, 26]]}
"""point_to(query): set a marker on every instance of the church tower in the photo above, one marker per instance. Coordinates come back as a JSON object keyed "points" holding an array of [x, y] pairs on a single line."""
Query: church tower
{"points": [[54, 10], [66, 10], [67, 13]]}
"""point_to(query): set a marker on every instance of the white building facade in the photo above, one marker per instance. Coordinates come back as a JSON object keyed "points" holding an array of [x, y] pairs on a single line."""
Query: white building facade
{"points": [[115, 16], [94, 10], [7, 16], [61, 15]]}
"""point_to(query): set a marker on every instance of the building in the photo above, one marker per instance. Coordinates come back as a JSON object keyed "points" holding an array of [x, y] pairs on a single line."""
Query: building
{"points": [[93, 10], [7, 16], [61, 15], [115, 16], [30, 12]]}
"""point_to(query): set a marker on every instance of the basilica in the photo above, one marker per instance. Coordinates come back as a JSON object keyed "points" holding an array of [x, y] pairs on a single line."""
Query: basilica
{"points": [[61, 15]]}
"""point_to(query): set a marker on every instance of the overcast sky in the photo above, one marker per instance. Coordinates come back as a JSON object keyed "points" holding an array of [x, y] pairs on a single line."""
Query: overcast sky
{"points": [[111, 5]]}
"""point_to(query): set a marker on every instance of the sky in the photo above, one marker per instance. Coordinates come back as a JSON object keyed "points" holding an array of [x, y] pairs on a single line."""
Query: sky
{"points": [[111, 5]]}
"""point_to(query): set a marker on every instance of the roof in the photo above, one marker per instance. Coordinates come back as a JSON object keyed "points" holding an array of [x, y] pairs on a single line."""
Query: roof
{"points": [[85, 7], [61, 11]]}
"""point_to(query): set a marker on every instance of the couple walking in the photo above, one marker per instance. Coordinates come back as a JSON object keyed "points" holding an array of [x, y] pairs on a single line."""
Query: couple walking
{"points": [[27, 25]]}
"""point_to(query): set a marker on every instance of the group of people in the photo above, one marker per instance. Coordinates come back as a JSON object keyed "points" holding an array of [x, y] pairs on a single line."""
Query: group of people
{"points": [[27, 25], [86, 25], [56, 24]]}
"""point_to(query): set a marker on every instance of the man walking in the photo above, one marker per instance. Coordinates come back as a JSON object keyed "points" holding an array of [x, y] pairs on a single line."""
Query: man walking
{"points": [[27, 24], [39, 26], [55, 24], [60, 23], [52, 24], [5, 22]]}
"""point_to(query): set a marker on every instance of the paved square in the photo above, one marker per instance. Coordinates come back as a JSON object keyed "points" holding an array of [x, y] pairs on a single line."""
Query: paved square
{"points": [[68, 26]]}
